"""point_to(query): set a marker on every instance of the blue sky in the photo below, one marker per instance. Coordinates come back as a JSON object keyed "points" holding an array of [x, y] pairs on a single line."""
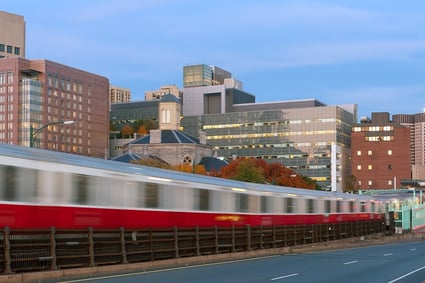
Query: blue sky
{"points": [[371, 53]]}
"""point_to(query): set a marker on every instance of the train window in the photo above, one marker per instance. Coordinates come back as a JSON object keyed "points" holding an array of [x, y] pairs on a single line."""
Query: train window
{"points": [[266, 204], [352, 206], [82, 189], [241, 203], [9, 184], [338, 206], [363, 206], [290, 205], [373, 207], [203, 199], [310, 206], [327, 206], [151, 195]]}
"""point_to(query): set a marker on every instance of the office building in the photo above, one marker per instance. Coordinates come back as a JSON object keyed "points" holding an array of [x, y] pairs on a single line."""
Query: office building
{"points": [[416, 124], [38, 93], [12, 35], [381, 155], [119, 94], [305, 135], [163, 90]]}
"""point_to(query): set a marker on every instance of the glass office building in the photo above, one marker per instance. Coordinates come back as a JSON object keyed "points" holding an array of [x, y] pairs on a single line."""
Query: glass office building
{"points": [[307, 136]]}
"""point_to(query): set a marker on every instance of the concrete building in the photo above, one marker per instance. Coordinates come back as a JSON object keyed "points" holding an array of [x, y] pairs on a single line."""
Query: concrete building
{"points": [[380, 153], [42, 94], [12, 35], [163, 90], [119, 94]]}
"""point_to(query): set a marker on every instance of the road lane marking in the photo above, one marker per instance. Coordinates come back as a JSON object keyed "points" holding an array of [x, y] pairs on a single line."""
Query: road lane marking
{"points": [[285, 276], [351, 262], [388, 254], [412, 249], [407, 274]]}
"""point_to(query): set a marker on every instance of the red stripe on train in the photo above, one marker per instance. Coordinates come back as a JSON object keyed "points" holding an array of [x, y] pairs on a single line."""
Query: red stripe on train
{"points": [[30, 217]]}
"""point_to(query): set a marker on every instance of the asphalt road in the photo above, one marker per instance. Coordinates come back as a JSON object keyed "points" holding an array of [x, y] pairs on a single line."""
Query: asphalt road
{"points": [[400, 262]]}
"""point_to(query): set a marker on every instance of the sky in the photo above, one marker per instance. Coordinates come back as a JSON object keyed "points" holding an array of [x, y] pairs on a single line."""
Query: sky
{"points": [[370, 53]]}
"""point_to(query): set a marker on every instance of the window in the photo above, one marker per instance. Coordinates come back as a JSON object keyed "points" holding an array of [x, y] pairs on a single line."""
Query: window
{"points": [[17, 51], [290, 205], [369, 152], [165, 116], [9, 49], [2, 47], [327, 206], [390, 152], [369, 167], [390, 166], [82, 185], [241, 203], [359, 167], [370, 182], [338, 206], [359, 152], [310, 206], [390, 182], [151, 195], [203, 199]]}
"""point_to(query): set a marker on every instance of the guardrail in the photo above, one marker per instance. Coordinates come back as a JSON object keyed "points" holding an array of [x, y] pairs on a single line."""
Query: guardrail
{"points": [[52, 249]]}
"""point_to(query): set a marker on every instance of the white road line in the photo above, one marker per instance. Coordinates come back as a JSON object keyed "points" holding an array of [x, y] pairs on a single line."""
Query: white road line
{"points": [[412, 249], [286, 276], [407, 274], [351, 262], [388, 254]]}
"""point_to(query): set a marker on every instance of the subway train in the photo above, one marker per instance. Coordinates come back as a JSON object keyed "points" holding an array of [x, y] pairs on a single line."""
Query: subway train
{"points": [[41, 189]]}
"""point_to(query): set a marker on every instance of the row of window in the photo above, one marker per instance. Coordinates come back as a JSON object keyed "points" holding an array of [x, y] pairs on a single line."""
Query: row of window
{"points": [[370, 167], [6, 78], [10, 49], [28, 185], [373, 128], [370, 152]]}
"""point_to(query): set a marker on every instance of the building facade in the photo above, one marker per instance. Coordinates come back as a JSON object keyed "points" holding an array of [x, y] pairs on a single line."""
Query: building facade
{"points": [[119, 94], [163, 90], [381, 155], [305, 135], [169, 143], [41, 94], [12, 35]]}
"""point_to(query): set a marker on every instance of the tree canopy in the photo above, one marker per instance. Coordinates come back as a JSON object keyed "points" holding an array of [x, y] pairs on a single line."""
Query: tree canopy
{"points": [[259, 171]]}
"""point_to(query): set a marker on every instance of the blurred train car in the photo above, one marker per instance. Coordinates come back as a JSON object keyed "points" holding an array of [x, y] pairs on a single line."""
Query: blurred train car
{"points": [[40, 189]]}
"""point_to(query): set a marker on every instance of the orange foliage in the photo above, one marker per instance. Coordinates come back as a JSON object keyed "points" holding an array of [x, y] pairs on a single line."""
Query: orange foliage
{"points": [[274, 173]]}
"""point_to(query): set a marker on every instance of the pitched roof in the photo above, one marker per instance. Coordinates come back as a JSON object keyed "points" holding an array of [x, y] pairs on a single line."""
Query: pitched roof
{"points": [[169, 136]]}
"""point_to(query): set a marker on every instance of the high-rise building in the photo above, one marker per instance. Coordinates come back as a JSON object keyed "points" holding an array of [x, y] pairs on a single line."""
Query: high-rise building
{"points": [[204, 75], [416, 124], [163, 90], [380, 153], [12, 35], [41, 95], [119, 94]]}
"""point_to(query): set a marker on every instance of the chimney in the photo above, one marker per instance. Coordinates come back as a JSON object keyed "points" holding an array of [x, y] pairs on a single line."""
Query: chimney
{"points": [[155, 136]]}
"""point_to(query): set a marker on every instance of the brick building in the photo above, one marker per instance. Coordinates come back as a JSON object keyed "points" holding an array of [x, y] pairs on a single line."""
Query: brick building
{"points": [[40, 92], [380, 153]]}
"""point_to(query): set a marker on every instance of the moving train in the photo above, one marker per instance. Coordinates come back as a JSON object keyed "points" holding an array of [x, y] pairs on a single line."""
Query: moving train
{"points": [[41, 188]]}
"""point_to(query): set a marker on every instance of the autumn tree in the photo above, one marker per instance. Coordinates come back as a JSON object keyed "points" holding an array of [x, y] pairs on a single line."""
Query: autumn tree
{"points": [[152, 163], [247, 169], [197, 169], [127, 131], [142, 130], [243, 170]]}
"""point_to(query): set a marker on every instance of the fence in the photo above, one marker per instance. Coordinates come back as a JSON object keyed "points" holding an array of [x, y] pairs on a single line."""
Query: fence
{"points": [[36, 250]]}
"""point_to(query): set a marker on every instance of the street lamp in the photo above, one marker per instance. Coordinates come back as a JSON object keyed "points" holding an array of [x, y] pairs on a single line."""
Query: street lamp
{"points": [[33, 133]]}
